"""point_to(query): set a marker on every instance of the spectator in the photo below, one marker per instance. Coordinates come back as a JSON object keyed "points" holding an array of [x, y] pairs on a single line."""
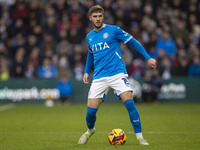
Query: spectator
{"points": [[193, 51], [191, 21], [195, 35], [63, 24], [31, 43], [4, 68], [47, 71], [64, 48], [152, 85], [148, 19], [65, 88], [136, 68], [50, 26], [56, 26], [19, 62], [63, 61], [76, 7], [165, 67], [54, 60], [30, 71], [34, 57], [61, 8], [135, 31], [18, 27], [126, 55], [181, 64], [164, 11], [109, 19], [194, 68], [76, 21], [78, 71], [178, 4], [3, 50], [48, 42], [20, 10], [166, 43], [181, 32], [74, 36], [37, 32]]}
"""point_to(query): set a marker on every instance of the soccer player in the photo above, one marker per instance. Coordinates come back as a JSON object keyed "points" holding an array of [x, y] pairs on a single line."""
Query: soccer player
{"points": [[109, 71]]}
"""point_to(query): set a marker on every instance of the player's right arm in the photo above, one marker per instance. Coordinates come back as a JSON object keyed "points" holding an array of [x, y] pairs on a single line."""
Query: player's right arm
{"points": [[86, 78], [88, 66]]}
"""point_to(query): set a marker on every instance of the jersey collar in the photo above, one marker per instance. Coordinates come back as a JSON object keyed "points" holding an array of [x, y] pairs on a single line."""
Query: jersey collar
{"points": [[104, 25]]}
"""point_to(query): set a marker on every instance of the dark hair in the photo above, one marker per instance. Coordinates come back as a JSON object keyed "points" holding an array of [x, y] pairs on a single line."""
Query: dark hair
{"points": [[95, 8]]}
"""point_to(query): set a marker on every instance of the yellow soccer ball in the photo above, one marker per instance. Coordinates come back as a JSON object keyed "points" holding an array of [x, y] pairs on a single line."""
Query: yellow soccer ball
{"points": [[117, 137]]}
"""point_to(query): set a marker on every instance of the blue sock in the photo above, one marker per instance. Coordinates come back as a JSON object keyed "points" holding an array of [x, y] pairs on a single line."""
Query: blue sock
{"points": [[133, 115], [91, 117]]}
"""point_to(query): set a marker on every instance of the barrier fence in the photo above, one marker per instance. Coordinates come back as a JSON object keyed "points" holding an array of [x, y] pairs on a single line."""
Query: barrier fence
{"points": [[38, 90]]}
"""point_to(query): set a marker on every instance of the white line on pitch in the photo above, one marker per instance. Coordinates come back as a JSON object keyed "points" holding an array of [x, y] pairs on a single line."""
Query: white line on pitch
{"points": [[71, 132], [6, 107]]}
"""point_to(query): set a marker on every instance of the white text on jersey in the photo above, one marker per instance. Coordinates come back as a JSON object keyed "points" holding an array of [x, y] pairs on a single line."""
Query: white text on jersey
{"points": [[99, 46]]}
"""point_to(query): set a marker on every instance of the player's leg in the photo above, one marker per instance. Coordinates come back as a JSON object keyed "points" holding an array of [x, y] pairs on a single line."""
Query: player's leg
{"points": [[127, 99], [92, 107], [134, 116], [98, 90], [123, 90]]}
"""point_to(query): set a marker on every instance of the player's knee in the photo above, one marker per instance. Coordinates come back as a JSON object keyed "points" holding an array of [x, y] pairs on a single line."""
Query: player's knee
{"points": [[130, 105], [91, 112]]}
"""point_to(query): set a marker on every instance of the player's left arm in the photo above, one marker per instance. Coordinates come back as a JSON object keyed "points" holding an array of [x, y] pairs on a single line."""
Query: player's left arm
{"points": [[138, 47], [152, 63], [125, 37]]}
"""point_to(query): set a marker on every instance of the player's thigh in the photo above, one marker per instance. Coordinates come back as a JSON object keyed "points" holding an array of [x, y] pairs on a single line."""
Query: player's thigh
{"points": [[125, 96], [94, 102], [121, 87], [98, 89]]}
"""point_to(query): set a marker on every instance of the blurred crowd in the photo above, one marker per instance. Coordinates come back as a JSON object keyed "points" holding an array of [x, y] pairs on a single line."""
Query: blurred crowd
{"points": [[46, 38]]}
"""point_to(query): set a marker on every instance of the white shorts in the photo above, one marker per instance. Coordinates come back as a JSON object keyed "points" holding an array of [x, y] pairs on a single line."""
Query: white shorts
{"points": [[100, 87]]}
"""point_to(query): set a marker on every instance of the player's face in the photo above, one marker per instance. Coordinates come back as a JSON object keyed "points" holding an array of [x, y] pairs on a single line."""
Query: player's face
{"points": [[97, 20]]}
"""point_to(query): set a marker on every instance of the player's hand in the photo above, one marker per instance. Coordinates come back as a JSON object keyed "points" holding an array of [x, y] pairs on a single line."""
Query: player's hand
{"points": [[85, 78], [152, 63]]}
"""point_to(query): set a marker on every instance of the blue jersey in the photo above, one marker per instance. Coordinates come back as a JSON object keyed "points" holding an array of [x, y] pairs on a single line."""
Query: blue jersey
{"points": [[105, 53]]}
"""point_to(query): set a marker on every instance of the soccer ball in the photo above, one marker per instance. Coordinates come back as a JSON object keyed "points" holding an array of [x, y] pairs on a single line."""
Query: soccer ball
{"points": [[117, 137]]}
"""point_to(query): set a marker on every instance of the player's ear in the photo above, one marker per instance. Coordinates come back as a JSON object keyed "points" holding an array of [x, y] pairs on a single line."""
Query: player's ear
{"points": [[90, 18]]}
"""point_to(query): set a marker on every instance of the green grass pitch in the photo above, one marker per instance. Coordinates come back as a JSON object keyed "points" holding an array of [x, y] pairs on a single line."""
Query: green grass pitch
{"points": [[173, 126]]}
